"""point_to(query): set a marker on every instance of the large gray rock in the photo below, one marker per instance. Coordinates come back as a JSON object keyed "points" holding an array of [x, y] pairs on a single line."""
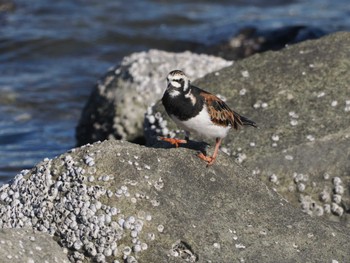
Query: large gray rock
{"points": [[300, 98], [19, 245], [118, 103], [116, 201]]}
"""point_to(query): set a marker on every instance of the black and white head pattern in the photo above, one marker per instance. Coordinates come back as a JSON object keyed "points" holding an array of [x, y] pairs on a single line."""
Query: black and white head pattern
{"points": [[178, 83]]}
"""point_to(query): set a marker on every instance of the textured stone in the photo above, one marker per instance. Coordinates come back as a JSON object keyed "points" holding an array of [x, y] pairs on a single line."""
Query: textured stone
{"points": [[21, 245], [118, 102], [300, 98], [181, 210]]}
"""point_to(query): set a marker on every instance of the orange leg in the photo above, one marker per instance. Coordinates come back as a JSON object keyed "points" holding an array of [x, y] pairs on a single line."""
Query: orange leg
{"points": [[173, 141], [211, 159]]}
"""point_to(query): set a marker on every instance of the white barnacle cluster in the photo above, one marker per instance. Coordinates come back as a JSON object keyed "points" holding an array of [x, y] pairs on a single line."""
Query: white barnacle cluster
{"points": [[156, 124], [330, 197], [145, 71], [294, 118], [289, 157], [300, 180], [241, 157], [242, 92], [310, 137], [225, 150], [245, 73], [159, 184], [347, 106], [334, 103], [260, 104], [320, 94], [66, 204], [122, 191], [310, 206], [132, 226], [338, 191], [275, 138], [88, 159], [273, 178]]}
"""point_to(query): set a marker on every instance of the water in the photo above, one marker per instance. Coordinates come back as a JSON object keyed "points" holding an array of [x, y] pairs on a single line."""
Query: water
{"points": [[52, 53]]}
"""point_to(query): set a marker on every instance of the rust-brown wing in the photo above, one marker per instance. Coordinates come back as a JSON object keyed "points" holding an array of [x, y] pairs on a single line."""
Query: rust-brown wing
{"points": [[219, 112]]}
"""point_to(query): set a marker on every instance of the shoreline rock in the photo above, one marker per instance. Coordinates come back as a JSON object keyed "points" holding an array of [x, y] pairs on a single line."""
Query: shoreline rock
{"points": [[115, 201], [299, 97], [19, 245]]}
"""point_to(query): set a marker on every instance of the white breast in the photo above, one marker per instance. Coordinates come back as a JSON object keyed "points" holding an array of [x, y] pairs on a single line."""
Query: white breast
{"points": [[202, 125]]}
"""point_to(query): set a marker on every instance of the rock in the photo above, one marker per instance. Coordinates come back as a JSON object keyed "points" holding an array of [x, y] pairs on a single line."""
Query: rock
{"points": [[115, 108], [7, 6], [300, 98], [251, 40], [121, 202], [118, 103], [20, 245]]}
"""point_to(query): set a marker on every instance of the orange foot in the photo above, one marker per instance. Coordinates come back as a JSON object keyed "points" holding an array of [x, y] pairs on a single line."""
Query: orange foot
{"points": [[173, 141], [209, 159]]}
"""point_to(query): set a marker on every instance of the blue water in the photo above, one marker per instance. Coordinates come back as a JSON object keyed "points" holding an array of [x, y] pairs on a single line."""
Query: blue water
{"points": [[52, 53]]}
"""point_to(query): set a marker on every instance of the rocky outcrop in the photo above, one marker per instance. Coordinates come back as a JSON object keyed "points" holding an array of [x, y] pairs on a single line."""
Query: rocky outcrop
{"points": [[251, 40], [118, 103], [300, 98], [20, 245], [120, 202]]}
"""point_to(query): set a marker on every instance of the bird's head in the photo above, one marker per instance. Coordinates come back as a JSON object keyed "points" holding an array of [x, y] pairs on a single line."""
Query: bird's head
{"points": [[178, 80]]}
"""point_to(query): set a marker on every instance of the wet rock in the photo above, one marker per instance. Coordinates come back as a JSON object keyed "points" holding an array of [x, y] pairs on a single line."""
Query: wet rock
{"points": [[299, 97], [251, 40], [20, 245], [6, 6], [163, 205], [118, 102]]}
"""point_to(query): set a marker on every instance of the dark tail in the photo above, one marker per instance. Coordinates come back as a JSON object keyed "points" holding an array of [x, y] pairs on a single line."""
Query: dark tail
{"points": [[246, 121]]}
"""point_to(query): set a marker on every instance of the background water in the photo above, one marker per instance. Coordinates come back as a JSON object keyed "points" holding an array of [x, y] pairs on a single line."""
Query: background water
{"points": [[52, 53]]}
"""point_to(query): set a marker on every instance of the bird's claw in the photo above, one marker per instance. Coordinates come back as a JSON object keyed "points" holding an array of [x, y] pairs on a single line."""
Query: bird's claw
{"points": [[173, 141], [209, 159]]}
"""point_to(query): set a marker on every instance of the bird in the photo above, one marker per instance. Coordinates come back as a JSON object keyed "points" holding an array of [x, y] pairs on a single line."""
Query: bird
{"points": [[196, 110]]}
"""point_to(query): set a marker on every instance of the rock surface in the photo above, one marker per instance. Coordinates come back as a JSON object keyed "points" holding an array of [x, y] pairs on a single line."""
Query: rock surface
{"points": [[251, 40], [19, 245], [300, 98], [116, 201], [118, 102]]}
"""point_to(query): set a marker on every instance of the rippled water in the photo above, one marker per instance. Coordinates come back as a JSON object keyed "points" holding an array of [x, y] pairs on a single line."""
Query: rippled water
{"points": [[52, 53]]}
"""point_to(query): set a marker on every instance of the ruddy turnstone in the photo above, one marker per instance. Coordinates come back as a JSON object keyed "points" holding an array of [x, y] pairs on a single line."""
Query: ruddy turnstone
{"points": [[198, 111]]}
